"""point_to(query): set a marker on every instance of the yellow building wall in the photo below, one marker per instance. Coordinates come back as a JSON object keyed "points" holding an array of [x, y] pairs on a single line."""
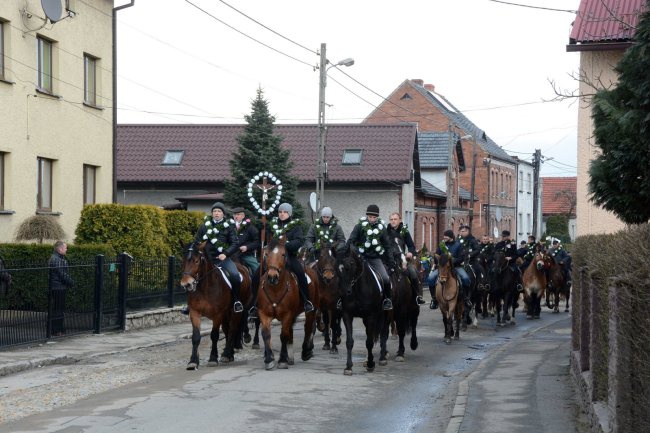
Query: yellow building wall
{"points": [[595, 65], [34, 124]]}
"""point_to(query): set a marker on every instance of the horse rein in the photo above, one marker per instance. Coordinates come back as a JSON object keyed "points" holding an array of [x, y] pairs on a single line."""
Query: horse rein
{"points": [[196, 277]]}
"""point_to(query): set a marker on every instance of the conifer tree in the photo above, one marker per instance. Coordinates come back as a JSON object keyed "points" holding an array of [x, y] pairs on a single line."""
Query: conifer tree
{"points": [[260, 150], [620, 174]]}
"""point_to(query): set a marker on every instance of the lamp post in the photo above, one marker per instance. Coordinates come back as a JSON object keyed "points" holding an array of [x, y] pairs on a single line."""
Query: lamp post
{"points": [[322, 165]]}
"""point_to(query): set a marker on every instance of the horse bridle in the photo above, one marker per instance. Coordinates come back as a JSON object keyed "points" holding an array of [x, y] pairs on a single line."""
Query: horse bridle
{"points": [[196, 277]]}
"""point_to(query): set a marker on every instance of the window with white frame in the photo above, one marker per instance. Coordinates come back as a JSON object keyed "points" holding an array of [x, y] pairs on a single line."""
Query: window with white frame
{"points": [[352, 156], [45, 64], [520, 223], [173, 157], [529, 224], [44, 193], [90, 183], [521, 181], [90, 79], [529, 182]]}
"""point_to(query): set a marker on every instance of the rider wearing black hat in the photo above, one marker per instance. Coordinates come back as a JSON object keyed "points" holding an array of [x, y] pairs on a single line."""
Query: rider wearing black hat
{"points": [[509, 247]]}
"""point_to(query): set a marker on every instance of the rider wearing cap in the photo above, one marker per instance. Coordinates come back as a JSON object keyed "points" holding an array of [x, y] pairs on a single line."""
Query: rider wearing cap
{"points": [[509, 248], [399, 232], [562, 258], [456, 251], [248, 239], [324, 233], [370, 237]]}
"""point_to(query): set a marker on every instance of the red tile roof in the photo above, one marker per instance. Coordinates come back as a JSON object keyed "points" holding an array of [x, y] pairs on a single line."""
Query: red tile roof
{"points": [[606, 21], [555, 195], [387, 151]]}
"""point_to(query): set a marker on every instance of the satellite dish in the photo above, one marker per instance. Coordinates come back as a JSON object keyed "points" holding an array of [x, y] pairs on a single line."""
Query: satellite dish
{"points": [[313, 202], [495, 232], [498, 215], [53, 9]]}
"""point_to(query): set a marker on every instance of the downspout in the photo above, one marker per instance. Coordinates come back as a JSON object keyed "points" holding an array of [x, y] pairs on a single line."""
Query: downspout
{"points": [[114, 180]]}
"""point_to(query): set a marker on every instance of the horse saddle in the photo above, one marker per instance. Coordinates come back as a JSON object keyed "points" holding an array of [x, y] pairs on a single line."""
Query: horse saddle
{"points": [[225, 277], [377, 280]]}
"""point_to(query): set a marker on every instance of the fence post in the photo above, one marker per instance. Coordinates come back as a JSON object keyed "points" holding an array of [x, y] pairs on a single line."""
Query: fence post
{"points": [[125, 261], [598, 347], [586, 292], [99, 293], [619, 386], [171, 274]]}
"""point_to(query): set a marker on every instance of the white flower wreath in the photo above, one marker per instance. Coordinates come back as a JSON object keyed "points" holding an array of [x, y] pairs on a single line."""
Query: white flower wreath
{"points": [[278, 192]]}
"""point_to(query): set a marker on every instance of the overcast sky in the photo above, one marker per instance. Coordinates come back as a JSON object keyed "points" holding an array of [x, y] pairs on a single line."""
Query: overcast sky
{"points": [[493, 61]]}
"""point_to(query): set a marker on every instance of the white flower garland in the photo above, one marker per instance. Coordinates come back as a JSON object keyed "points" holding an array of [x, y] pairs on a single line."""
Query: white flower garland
{"points": [[278, 192], [213, 231], [372, 236], [324, 234], [277, 231]]}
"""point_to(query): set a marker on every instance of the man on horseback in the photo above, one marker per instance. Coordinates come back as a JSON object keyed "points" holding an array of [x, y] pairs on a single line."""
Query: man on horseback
{"points": [[509, 248], [398, 231], [471, 251], [324, 233], [221, 243], [456, 251], [248, 238], [527, 251], [370, 237], [563, 259]]}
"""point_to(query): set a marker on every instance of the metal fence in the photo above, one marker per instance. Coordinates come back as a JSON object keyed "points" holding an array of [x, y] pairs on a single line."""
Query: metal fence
{"points": [[103, 292]]}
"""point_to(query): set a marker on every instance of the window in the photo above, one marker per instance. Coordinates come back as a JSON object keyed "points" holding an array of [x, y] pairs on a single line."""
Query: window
{"points": [[2, 50], [173, 157], [520, 223], [90, 80], [352, 157], [44, 195], [45, 65], [90, 174], [528, 183], [2, 179], [529, 224], [521, 181]]}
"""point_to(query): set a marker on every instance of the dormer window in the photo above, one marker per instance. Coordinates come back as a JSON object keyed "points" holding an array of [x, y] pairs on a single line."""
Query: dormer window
{"points": [[173, 157], [352, 156]]}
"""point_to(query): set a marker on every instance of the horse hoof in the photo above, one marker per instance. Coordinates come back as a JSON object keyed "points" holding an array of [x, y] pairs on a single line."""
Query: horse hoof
{"points": [[326, 346], [307, 356], [414, 345], [226, 360], [383, 362], [334, 351], [347, 372], [529, 317], [290, 361], [283, 365], [214, 363], [255, 347], [269, 365], [566, 310], [338, 339], [447, 340], [192, 366], [247, 339], [370, 369], [456, 337], [365, 363], [399, 358]]}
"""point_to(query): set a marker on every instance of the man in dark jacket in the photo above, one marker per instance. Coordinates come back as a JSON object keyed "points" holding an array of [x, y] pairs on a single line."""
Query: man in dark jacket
{"points": [[456, 251], [248, 239], [221, 243], [59, 282], [370, 237], [325, 232], [471, 251], [509, 247], [562, 258], [397, 231]]}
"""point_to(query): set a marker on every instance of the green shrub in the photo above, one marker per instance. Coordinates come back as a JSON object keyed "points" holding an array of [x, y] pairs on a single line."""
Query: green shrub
{"points": [[181, 228]]}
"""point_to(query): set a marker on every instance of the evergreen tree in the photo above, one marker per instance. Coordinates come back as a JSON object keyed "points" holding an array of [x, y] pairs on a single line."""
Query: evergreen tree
{"points": [[620, 175], [260, 150]]}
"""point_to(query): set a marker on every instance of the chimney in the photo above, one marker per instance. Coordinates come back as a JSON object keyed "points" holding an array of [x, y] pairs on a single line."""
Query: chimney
{"points": [[430, 87], [418, 81]]}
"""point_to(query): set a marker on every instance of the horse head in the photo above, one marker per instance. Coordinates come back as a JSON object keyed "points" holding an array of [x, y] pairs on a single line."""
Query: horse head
{"points": [[444, 267], [194, 259], [540, 260], [326, 265], [400, 253], [275, 259], [349, 268], [499, 263]]}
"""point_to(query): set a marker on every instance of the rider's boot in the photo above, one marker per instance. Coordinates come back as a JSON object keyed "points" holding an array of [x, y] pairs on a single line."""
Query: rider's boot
{"points": [[252, 312], [237, 306], [434, 302], [185, 310], [309, 307], [388, 294], [339, 304], [415, 287]]}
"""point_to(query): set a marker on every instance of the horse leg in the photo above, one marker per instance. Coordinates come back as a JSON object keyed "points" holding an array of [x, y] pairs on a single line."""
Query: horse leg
{"points": [[326, 332], [256, 337], [557, 301], [401, 332], [383, 338], [336, 330], [447, 322], [568, 295], [269, 360], [196, 340], [214, 352], [459, 318], [413, 323], [370, 342], [308, 342], [349, 343], [233, 335], [286, 344]]}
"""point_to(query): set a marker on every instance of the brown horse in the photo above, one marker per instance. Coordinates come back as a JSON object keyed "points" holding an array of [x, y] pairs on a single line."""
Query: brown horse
{"points": [[329, 291], [209, 295], [447, 290], [534, 282], [557, 286], [279, 298]]}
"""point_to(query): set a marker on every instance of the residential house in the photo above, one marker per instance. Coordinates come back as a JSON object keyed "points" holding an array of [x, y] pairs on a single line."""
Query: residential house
{"points": [[559, 198], [56, 150], [494, 172], [526, 202], [602, 31], [165, 164]]}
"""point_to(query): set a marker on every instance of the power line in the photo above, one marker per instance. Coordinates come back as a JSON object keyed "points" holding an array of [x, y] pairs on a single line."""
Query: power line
{"points": [[535, 7]]}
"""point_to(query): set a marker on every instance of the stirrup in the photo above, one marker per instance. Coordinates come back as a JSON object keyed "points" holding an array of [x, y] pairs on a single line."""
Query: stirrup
{"points": [[309, 307], [252, 312], [419, 300], [433, 305], [520, 288], [339, 304], [185, 310], [238, 307], [387, 304]]}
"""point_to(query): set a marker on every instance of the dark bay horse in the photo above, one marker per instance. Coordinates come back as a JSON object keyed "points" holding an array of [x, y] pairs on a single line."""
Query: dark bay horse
{"points": [[557, 286], [279, 298], [504, 288], [329, 291], [210, 295], [362, 298], [405, 311], [534, 282], [447, 294]]}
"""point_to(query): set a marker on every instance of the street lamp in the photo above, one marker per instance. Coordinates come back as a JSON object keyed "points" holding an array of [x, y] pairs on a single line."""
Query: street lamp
{"points": [[322, 165]]}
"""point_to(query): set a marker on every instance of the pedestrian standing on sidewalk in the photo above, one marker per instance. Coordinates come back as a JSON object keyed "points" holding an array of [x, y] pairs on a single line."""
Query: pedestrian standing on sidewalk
{"points": [[59, 283]]}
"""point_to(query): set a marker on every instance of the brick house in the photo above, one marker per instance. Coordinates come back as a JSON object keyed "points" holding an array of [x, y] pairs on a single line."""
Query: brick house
{"points": [[559, 198], [185, 165], [495, 174]]}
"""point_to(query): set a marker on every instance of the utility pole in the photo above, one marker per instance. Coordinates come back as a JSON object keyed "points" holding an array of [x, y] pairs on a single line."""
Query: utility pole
{"points": [[537, 160], [450, 166], [471, 198], [320, 175]]}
